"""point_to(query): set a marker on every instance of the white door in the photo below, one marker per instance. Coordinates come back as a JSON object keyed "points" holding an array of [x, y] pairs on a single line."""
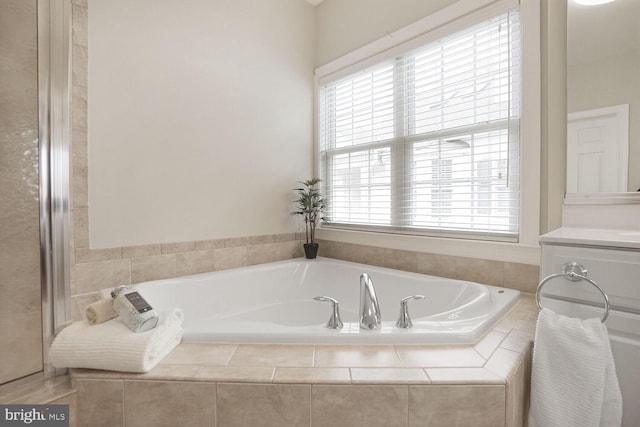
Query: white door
{"points": [[597, 150]]}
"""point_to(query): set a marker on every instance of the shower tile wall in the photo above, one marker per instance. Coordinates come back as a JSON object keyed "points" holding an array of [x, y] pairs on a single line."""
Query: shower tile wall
{"points": [[20, 306]]}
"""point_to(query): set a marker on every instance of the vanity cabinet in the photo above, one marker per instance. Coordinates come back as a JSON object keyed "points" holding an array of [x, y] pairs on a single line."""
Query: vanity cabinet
{"points": [[612, 260]]}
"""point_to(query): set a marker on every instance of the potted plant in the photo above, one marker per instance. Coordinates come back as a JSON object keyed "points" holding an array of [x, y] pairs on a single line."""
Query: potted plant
{"points": [[309, 205]]}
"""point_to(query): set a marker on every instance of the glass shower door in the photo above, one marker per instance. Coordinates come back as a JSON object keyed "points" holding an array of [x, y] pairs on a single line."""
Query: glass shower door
{"points": [[20, 272]]}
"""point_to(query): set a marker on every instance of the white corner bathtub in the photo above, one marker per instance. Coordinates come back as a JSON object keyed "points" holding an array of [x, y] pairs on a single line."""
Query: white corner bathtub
{"points": [[274, 303]]}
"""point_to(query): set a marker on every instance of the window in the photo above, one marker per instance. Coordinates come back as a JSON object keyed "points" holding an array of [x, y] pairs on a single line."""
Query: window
{"points": [[428, 141]]}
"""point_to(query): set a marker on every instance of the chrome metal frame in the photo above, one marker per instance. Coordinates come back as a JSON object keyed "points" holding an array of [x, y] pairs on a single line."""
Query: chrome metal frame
{"points": [[54, 77]]}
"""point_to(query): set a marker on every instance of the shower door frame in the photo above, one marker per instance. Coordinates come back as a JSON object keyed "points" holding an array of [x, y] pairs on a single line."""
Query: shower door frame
{"points": [[54, 83]]}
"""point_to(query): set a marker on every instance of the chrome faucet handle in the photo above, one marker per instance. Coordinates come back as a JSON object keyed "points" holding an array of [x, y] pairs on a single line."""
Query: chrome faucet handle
{"points": [[404, 321], [334, 321], [370, 317]]}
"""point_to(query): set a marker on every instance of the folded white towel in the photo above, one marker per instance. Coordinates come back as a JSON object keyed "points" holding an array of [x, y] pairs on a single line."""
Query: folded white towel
{"points": [[573, 379], [100, 311], [112, 346]]}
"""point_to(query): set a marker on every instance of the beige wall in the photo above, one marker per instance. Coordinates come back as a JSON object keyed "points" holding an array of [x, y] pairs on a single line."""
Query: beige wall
{"points": [[94, 269], [200, 118], [345, 25], [606, 82], [553, 163]]}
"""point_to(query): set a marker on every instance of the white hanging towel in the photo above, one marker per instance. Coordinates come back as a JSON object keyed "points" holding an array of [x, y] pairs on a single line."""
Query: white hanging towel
{"points": [[573, 378]]}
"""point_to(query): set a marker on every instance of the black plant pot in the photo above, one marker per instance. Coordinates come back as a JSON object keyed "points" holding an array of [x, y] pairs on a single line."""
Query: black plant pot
{"points": [[310, 250]]}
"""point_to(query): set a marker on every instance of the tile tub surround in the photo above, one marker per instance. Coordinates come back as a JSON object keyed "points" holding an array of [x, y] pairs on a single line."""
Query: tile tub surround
{"points": [[522, 277], [486, 384], [53, 391]]}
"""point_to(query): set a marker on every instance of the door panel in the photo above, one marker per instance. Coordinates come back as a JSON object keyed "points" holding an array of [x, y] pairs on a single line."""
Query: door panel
{"points": [[20, 294]]}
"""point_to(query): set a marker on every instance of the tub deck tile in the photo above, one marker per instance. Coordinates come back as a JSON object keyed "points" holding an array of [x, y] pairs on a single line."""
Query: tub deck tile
{"points": [[463, 376], [356, 356], [480, 364], [487, 345], [253, 374], [312, 376], [202, 354], [389, 376], [439, 356], [273, 355], [165, 373]]}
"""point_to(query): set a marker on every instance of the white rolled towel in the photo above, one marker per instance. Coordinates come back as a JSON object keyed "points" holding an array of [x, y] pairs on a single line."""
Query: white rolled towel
{"points": [[112, 346], [100, 311]]}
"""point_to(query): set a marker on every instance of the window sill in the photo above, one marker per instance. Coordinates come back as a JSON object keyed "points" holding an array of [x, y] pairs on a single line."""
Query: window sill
{"points": [[490, 250]]}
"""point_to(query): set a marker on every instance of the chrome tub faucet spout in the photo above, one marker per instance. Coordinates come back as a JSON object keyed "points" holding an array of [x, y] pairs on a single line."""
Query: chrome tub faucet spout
{"points": [[369, 309]]}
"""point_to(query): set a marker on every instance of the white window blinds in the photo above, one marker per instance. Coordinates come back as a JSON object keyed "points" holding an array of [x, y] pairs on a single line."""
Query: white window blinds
{"points": [[428, 141]]}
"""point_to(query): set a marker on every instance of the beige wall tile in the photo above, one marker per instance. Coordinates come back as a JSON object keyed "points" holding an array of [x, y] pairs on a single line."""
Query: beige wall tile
{"points": [[194, 263], [84, 255], [80, 58], [436, 265], [80, 218], [236, 241], [79, 25], [169, 403], [286, 237], [523, 277], [93, 276], [370, 255], [371, 406], [227, 258], [140, 251], [80, 186], [439, 357], [455, 406], [388, 376], [100, 402], [343, 251], [327, 248], [400, 260], [262, 239], [356, 356], [79, 106], [263, 405], [261, 254], [281, 250], [205, 245], [201, 354], [172, 248], [273, 355], [72, 401], [312, 376], [480, 270], [518, 389], [153, 268]]}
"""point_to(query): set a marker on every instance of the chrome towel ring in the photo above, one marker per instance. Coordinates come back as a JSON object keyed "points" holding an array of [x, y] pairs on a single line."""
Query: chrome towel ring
{"points": [[569, 272]]}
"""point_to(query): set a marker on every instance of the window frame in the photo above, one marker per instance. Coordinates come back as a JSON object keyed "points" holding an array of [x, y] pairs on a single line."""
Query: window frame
{"points": [[449, 20]]}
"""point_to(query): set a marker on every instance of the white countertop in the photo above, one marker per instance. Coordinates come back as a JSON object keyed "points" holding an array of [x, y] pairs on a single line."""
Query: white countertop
{"points": [[617, 238]]}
